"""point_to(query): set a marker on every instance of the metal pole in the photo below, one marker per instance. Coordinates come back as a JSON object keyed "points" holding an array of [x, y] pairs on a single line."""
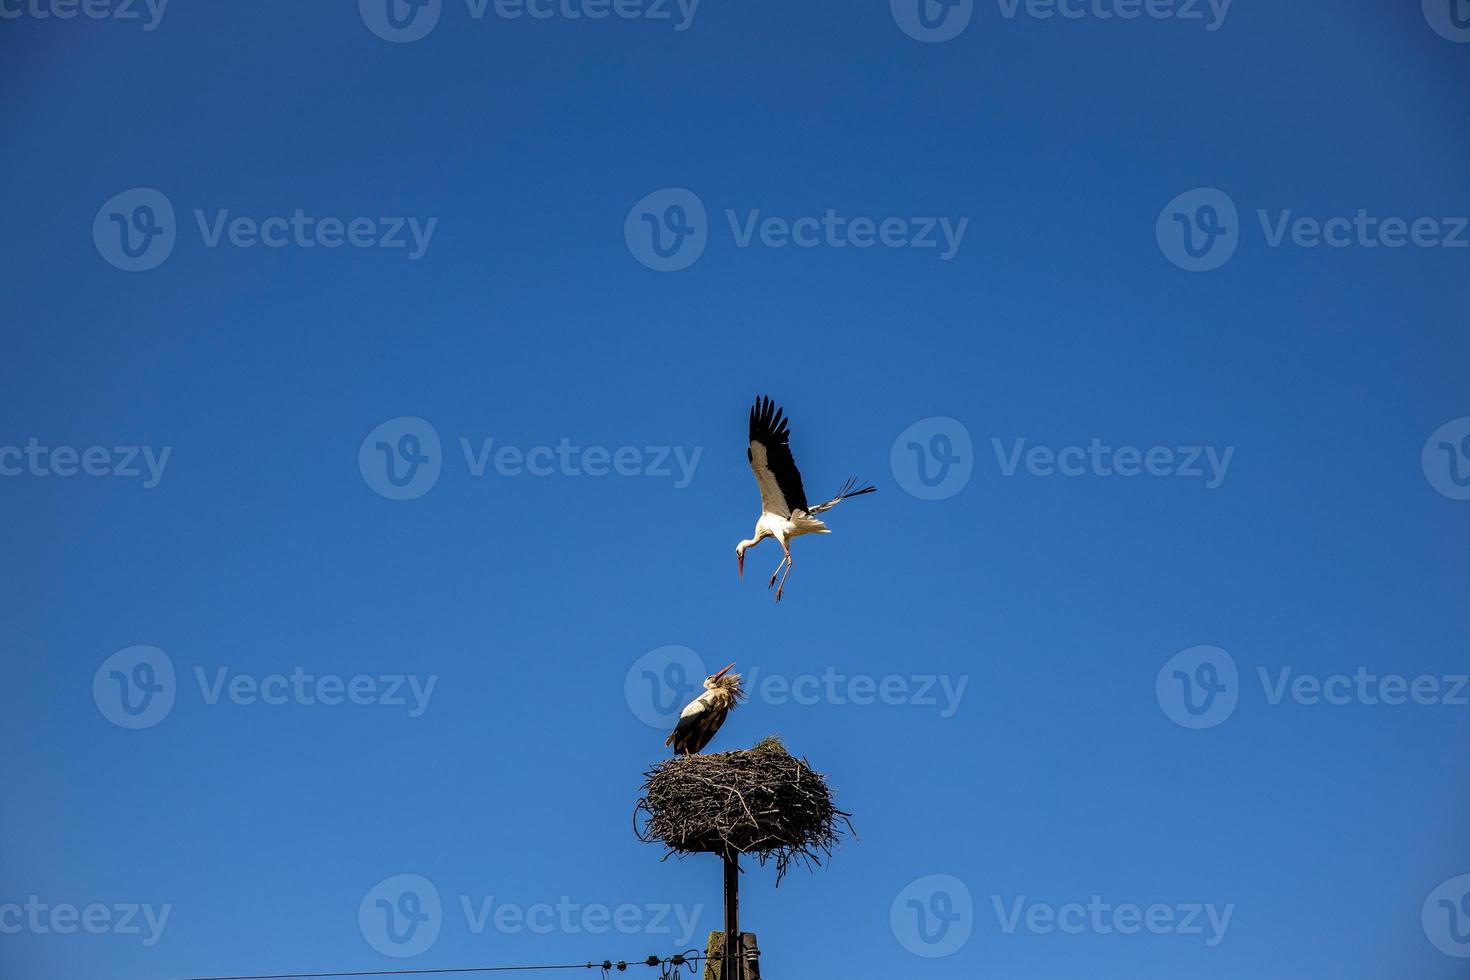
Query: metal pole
{"points": [[732, 959]]}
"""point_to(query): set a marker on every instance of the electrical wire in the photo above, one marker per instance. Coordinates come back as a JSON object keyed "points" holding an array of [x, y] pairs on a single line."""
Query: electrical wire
{"points": [[689, 958]]}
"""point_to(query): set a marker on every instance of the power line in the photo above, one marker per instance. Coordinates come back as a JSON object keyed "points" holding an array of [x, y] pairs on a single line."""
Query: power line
{"points": [[404, 973], [675, 961]]}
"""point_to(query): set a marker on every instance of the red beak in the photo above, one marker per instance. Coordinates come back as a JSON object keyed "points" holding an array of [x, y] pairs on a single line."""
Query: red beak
{"points": [[740, 564], [723, 672]]}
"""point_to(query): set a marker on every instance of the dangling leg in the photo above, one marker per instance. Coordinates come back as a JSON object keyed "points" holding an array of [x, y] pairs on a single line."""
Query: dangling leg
{"points": [[784, 560], [782, 586]]}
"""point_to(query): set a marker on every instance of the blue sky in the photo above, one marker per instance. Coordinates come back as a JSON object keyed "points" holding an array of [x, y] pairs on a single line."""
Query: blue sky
{"points": [[1216, 252]]}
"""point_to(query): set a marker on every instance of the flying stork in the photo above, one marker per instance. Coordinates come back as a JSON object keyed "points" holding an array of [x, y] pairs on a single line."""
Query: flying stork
{"points": [[703, 716], [784, 510]]}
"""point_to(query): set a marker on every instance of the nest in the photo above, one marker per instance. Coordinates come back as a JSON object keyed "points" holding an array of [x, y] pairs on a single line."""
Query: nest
{"points": [[762, 801]]}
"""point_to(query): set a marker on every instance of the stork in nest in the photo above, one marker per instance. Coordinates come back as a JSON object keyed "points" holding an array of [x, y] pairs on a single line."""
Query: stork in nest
{"points": [[703, 716]]}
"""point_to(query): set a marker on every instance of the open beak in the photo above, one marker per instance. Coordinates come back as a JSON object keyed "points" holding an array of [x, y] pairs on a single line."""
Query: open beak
{"points": [[723, 672], [740, 564]]}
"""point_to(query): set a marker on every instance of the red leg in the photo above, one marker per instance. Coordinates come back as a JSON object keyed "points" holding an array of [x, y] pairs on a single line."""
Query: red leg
{"points": [[784, 560], [782, 586]]}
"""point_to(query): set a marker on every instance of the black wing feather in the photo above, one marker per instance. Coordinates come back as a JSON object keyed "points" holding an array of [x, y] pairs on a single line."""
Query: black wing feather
{"points": [[693, 732], [768, 426]]}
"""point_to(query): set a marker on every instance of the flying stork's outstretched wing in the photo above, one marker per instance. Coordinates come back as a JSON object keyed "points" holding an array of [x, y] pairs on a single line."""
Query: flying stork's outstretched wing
{"points": [[849, 489], [771, 461]]}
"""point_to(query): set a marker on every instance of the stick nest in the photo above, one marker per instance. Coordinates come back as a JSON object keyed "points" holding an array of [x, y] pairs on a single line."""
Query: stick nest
{"points": [[762, 801]]}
